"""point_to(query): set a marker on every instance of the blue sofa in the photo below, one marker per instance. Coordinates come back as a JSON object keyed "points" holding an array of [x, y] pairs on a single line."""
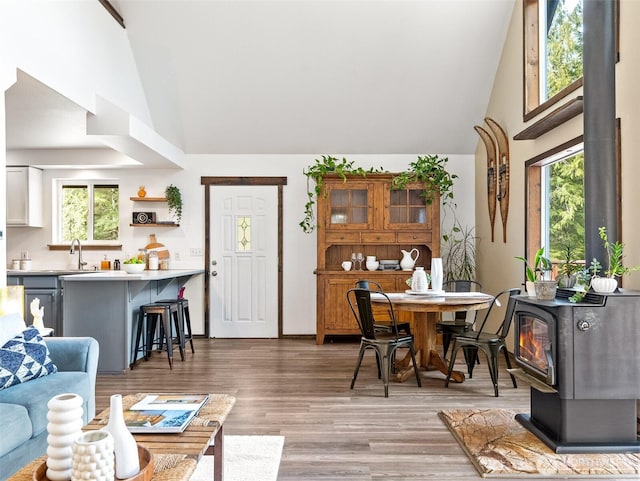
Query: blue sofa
{"points": [[23, 407]]}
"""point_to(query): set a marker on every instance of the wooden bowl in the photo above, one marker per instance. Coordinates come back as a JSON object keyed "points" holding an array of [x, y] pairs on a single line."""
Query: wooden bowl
{"points": [[145, 473]]}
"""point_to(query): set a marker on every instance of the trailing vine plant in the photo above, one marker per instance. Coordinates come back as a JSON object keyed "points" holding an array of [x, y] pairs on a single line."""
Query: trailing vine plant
{"points": [[326, 165], [174, 201], [431, 170]]}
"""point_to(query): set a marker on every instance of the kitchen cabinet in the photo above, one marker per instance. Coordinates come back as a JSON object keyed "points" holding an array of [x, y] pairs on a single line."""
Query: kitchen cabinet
{"points": [[148, 223], [48, 289], [24, 196], [366, 215]]}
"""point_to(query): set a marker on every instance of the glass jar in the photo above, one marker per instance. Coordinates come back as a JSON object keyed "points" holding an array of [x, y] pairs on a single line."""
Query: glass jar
{"points": [[153, 260]]}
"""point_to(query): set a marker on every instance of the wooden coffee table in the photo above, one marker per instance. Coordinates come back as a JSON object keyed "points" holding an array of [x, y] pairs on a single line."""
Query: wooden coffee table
{"points": [[171, 449]]}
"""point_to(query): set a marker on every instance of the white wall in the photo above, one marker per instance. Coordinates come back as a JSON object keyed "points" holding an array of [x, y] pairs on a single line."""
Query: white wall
{"points": [[299, 249], [77, 49]]}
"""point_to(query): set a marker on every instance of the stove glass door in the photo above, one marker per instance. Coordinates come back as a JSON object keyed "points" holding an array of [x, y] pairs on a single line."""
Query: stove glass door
{"points": [[533, 342]]}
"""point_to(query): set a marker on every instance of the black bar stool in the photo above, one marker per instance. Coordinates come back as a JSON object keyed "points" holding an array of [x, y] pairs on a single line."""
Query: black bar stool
{"points": [[183, 305], [149, 315]]}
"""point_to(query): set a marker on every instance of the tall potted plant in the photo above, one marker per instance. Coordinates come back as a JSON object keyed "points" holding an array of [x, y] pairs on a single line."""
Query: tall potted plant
{"points": [[615, 267], [569, 269], [459, 253]]}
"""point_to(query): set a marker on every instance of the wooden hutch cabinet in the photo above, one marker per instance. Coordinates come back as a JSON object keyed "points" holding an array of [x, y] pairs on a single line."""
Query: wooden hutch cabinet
{"points": [[366, 215]]}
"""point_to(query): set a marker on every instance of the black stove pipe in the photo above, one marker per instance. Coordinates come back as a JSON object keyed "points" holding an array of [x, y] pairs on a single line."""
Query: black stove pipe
{"points": [[600, 167]]}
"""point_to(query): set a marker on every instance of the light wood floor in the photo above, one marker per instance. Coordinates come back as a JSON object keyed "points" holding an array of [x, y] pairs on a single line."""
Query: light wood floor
{"points": [[294, 388]]}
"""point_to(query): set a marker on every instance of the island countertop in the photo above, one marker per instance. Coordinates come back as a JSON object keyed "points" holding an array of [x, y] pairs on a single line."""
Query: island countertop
{"points": [[123, 276], [105, 305]]}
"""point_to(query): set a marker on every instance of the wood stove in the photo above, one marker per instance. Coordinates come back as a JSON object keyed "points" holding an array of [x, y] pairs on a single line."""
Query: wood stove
{"points": [[582, 361]]}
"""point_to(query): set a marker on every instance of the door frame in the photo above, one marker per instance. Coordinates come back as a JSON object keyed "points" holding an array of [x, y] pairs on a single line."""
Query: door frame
{"points": [[211, 182]]}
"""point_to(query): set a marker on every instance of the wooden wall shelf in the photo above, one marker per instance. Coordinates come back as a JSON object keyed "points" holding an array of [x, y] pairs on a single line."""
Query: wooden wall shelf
{"points": [[173, 224], [552, 120], [148, 199]]}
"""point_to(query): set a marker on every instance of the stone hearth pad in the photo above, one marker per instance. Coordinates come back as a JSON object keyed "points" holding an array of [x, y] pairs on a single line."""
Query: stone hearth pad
{"points": [[498, 445]]}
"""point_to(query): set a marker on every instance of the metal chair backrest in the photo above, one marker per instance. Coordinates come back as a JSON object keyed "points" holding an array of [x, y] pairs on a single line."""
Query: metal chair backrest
{"points": [[462, 285], [505, 325], [360, 303], [366, 284]]}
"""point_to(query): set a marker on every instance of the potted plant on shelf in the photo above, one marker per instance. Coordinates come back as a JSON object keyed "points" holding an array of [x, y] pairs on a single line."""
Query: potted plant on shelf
{"points": [[569, 269], [615, 267], [429, 169], [174, 201], [323, 166], [536, 275]]}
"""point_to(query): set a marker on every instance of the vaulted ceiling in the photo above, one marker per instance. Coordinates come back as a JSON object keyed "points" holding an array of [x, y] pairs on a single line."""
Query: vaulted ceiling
{"points": [[316, 76]]}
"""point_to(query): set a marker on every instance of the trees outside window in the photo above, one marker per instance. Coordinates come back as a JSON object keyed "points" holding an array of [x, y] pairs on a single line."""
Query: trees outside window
{"points": [[565, 219], [88, 211], [563, 54], [553, 52]]}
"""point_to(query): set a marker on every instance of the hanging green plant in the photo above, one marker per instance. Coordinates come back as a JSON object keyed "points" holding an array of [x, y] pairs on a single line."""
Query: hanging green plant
{"points": [[430, 169], [326, 165], [174, 201]]}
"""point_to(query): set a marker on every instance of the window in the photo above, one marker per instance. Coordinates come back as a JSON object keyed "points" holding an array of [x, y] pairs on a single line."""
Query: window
{"points": [[553, 52], [556, 202], [563, 219], [88, 211]]}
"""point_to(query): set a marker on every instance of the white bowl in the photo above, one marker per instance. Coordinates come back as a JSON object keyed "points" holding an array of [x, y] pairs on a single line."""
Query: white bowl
{"points": [[133, 268]]}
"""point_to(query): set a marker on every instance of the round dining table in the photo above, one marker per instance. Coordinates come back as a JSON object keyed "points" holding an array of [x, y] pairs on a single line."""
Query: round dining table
{"points": [[426, 310]]}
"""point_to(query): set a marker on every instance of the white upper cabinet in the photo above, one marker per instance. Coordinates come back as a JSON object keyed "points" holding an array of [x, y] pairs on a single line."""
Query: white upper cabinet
{"points": [[24, 197]]}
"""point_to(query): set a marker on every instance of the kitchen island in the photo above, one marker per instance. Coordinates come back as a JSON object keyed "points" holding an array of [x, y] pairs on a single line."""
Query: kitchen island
{"points": [[104, 305]]}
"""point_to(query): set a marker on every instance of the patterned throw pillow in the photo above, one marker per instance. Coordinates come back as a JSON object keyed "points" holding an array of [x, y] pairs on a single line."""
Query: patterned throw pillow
{"points": [[23, 358]]}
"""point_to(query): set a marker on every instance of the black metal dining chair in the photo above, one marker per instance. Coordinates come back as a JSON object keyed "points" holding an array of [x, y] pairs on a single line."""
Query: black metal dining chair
{"points": [[491, 343], [384, 344], [459, 324], [382, 324]]}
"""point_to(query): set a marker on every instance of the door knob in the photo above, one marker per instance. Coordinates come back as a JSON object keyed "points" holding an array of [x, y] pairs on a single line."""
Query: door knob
{"points": [[214, 273]]}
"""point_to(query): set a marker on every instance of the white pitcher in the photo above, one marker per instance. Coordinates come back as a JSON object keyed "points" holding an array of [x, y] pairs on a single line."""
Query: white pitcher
{"points": [[408, 261]]}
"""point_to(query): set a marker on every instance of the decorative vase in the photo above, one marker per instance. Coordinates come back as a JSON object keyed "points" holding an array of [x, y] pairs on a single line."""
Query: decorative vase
{"points": [[419, 281], [124, 444], [531, 288], [436, 274], [141, 191], [546, 290], [604, 284], [64, 426], [93, 457]]}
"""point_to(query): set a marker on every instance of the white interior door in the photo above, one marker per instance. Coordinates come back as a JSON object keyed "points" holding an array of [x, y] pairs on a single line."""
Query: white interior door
{"points": [[243, 299]]}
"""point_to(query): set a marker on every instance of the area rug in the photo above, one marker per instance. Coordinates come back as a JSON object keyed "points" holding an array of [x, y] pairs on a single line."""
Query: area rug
{"points": [[498, 445], [246, 458]]}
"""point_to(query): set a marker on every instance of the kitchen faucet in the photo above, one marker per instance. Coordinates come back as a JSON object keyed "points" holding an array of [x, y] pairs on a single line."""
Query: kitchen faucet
{"points": [[81, 263]]}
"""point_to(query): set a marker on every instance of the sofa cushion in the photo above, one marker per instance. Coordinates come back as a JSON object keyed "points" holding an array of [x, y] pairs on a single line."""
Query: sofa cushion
{"points": [[34, 395], [16, 427], [23, 358], [10, 326]]}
